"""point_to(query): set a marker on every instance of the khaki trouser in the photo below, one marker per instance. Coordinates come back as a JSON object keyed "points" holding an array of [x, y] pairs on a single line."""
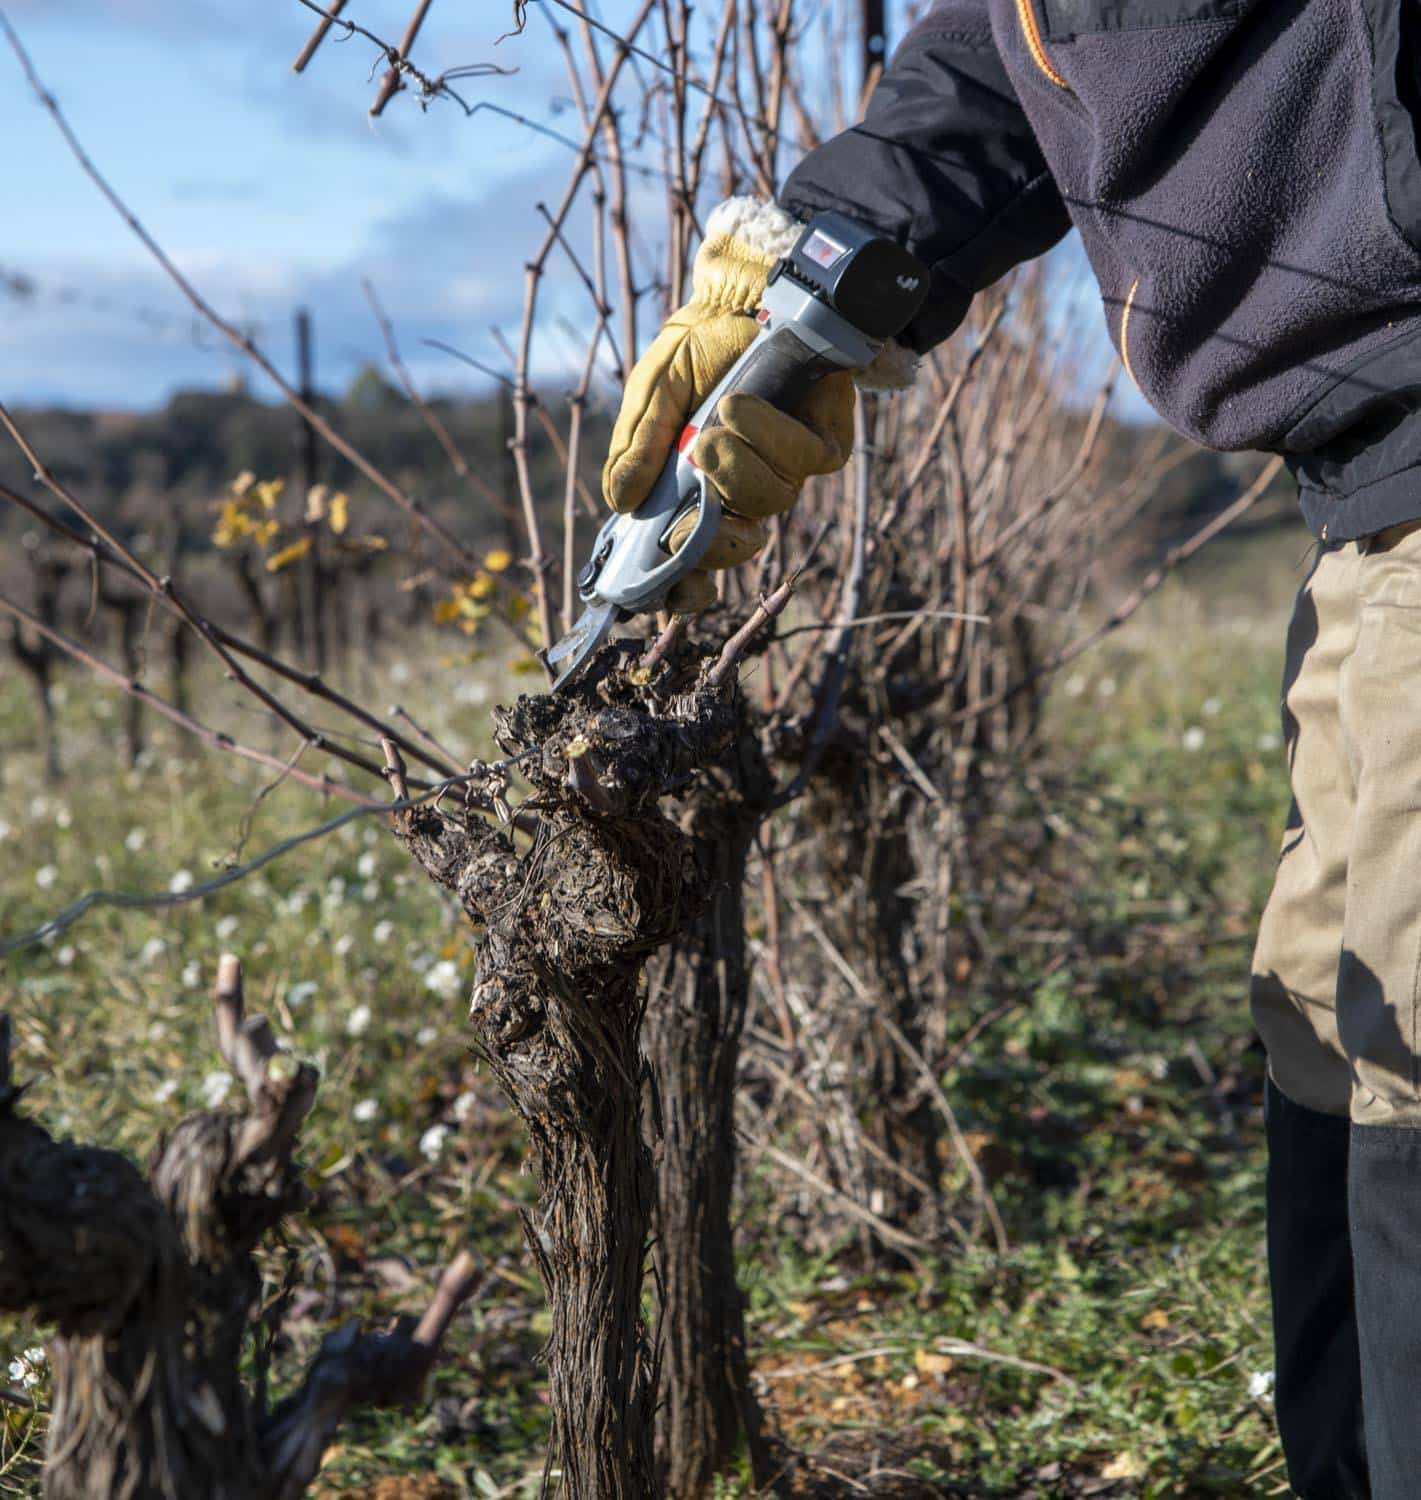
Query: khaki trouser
{"points": [[1336, 987]]}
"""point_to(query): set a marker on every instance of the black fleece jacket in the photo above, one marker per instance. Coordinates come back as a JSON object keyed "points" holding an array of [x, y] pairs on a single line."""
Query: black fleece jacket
{"points": [[1246, 181]]}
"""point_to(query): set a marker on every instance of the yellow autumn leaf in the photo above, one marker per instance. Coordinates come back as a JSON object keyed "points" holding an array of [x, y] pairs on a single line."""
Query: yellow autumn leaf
{"points": [[481, 585], [316, 502], [242, 483], [518, 606], [928, 1362], [264, 532], [340, 512], [469, 627], [268, 492], [232, 525], [446, 611], [278, 560], [1157, 1317], [497, 560]]}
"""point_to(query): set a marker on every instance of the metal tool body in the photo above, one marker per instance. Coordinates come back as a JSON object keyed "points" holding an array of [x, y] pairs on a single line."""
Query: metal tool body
{"points": [[829, 305]]}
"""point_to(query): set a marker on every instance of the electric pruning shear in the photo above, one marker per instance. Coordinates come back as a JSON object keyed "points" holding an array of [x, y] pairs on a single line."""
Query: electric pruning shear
{"points": [[830, 304]]}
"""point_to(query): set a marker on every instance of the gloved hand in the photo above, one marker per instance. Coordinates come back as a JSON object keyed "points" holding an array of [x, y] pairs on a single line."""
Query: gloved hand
{"points": [[758, 458]]}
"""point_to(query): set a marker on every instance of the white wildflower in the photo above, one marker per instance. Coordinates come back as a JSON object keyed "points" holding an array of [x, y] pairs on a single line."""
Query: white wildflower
{"points": [[342, 945], [366, 865], [1212, 707], [1268, 742], [65, 956], [419, 960], [298, 994], [25, 1369], [63, 818], [215, 1088], [1106, 687], [383, 931], [192, 975], [181, 881], [370, 891], [134, 840], [400, 672], [431, 1143], [1075, 686], [152, 951], [225, 928], [45, 876], [1260, 1385], [335, 889], [426, 1035], [39, 806], [443, 979], [296, 903], [5, 830], [357, 1023], [365, 1110], [1192, 739], [464, 1106], [165, 1091]]}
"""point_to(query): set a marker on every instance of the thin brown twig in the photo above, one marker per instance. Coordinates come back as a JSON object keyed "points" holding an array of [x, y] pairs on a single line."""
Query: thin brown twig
{"points": [[213, 738], [313, 43], [1152, 580], [737, 645], [391, 83]]}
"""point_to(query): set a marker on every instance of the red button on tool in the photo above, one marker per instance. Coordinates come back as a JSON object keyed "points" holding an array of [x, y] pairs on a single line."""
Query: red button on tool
{"points": [[688, 436]]}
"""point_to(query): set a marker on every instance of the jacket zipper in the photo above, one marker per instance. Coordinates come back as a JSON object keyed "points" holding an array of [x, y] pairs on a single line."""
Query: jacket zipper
{"points": [[1125, 331], [1032, 32]]}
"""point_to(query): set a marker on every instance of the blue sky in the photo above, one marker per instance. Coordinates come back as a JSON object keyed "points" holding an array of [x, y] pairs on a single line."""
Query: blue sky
{"points": [[273, 190], [269, 188]]}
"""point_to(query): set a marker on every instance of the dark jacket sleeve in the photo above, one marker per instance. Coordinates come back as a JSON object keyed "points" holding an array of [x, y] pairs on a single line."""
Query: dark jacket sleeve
{"points": [[945, 163]]}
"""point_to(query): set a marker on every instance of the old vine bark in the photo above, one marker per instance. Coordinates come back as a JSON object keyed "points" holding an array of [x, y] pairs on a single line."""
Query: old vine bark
{"points": [[570, 914]]}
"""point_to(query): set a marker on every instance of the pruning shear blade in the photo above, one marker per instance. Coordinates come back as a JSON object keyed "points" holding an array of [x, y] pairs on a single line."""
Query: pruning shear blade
{"points": [[570, 654]]}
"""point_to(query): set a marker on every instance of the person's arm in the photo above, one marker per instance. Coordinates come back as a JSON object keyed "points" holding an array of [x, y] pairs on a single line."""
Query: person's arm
{"points": [[945, 163]]}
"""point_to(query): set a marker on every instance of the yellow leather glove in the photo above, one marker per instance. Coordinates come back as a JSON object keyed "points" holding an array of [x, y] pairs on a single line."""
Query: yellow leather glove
{"points": [[758, 458]]}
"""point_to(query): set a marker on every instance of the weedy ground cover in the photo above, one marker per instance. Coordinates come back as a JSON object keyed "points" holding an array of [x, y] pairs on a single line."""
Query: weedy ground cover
{"points": [[1119, 1348]]}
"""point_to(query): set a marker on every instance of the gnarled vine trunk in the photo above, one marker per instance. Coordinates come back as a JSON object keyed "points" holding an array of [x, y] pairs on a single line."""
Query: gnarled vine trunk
{"points": [[693, 1040], [151, 1284], [571, 916]]}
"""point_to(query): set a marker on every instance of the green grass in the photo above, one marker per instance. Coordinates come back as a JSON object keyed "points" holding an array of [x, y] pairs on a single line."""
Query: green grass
{"points": [[1113, 1104]]}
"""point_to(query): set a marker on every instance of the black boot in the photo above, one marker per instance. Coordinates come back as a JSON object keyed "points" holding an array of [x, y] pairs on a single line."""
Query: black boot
{"points": [[1384, 1195], [1318, 1393]]}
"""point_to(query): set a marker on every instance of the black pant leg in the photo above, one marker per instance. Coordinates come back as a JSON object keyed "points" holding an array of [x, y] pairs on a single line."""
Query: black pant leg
{"points": [[1318, 1392]]}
